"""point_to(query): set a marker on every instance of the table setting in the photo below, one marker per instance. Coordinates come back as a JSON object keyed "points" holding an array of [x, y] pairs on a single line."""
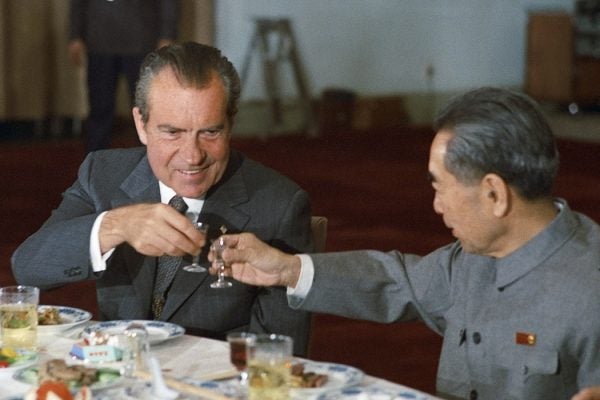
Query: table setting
{"points": [[147, 359]]}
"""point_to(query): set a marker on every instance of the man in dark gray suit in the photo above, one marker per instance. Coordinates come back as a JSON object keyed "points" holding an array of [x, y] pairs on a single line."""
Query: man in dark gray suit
{"points": [[115, 35], [516, 297], [113, 223]]}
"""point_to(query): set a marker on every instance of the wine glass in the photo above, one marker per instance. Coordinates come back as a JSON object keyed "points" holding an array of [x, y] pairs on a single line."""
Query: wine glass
{"points": [[218, 246], [195, 265], [239, 346]]}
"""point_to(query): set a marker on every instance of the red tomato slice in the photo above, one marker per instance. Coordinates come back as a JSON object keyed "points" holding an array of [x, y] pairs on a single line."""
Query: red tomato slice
{"points": [[58, 388]]}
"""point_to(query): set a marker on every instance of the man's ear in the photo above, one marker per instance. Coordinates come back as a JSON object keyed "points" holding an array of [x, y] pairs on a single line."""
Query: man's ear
{"points": [[140, 126], [498, 194]]}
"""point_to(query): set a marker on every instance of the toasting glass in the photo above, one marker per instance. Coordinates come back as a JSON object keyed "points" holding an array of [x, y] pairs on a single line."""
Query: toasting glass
{"points": [[218, 246], [195, 265]]}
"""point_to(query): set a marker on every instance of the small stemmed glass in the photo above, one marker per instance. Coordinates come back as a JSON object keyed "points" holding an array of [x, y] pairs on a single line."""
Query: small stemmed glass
{"points": [[240, 344], [217, 247], [195, 265]]}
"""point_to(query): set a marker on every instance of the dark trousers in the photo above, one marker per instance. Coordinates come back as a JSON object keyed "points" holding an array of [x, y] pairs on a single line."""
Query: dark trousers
{"points": [[102, 76]]}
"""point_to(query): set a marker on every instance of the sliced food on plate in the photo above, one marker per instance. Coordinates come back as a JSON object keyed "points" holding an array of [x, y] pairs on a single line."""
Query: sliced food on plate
{"points": [[313, 377], [12, 359], [74, 376], [56, 390], [56, 319]]}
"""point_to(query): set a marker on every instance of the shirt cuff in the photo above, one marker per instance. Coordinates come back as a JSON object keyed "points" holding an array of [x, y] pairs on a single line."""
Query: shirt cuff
{"points": [[305, 280], [98, 259]]}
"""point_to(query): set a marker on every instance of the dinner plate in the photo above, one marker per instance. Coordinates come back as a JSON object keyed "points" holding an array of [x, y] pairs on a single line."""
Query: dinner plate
{"points": [[372, 393], [69, 317], [143, 390], [26, 358], [158, 331], [112, 378], [226, 388], [338, 376]]}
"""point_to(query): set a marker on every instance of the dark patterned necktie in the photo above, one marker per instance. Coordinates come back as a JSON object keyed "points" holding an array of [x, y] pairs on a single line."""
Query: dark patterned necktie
{"points": [[167, 268]]}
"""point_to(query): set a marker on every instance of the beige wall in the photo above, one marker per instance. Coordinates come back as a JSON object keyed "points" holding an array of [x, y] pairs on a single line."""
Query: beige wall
{"points": [[36, 77]]}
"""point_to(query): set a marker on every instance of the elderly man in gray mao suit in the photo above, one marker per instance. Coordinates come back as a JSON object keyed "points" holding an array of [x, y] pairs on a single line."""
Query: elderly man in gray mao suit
{"points": [[516, 296], [113, 223]]}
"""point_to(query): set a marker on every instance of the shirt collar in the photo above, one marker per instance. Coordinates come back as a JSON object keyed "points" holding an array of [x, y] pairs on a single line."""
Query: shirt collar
{"points": [[194, 205]]}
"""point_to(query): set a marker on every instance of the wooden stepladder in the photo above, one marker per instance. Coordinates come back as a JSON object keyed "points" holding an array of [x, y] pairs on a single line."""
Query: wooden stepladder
{"points": [[274, 41]]}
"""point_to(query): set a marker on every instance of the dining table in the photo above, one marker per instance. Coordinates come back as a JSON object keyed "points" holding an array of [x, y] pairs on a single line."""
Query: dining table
{"points": [[187, 358]]}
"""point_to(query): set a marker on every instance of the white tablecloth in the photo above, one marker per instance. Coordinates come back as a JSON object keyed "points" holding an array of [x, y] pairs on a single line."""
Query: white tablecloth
{"points": [[182, 357]]}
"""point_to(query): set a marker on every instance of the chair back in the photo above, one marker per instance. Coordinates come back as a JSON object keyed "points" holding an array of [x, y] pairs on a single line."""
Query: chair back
{"points": [[318, 226]]}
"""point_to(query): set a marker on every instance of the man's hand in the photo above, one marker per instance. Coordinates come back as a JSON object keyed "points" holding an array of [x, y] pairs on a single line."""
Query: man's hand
{"points": [[151, 229], [591, 393], [76, 51], [252, 261], [164, 42]]}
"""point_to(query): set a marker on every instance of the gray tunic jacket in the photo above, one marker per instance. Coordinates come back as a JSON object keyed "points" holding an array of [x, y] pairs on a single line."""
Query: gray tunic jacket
{"points": [[526, 326]]}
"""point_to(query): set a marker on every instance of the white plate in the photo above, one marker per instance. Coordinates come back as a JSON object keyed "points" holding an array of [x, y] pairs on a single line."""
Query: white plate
{"points": [[29, 376], [158, 331], [372, 393], [338, 376], [69, 316], [29, 358], [142, 390], [228, 389]]}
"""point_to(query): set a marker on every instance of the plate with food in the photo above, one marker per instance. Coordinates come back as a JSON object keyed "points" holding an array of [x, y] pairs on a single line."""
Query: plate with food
{"points": [[74, 376], [158, 331], [310, 378], [372, 393], [55, 390], [56, 319], [12, 359]]}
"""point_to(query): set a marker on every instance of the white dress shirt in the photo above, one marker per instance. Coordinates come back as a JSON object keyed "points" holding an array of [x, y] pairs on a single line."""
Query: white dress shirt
{"points": [[307, 272], [98, 259]]}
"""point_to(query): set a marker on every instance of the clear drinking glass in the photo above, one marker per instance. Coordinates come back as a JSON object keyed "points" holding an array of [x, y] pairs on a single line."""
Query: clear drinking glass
{"points": [[18, 316], [133, 345], [218, 246], [269, 367], [195, 265]]}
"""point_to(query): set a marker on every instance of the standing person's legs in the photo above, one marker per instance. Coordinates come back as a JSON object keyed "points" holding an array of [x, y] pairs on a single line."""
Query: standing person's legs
{"points": [[102, 77], [130, 67]]}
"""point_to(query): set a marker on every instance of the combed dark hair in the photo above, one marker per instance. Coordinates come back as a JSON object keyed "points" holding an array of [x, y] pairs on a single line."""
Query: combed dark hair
{"points": [[502, 132], [193, 64]]}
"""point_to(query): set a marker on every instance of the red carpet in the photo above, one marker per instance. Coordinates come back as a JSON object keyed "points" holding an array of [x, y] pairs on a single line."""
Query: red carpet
{"points": [[371, 186]]}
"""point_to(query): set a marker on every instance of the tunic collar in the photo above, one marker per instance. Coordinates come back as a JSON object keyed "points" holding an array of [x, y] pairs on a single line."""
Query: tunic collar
{"points": [[538, 249]]}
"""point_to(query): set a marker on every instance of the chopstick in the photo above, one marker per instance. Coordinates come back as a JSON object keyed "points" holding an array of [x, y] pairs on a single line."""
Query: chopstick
{"points": [[185, 387], [215, 376]]}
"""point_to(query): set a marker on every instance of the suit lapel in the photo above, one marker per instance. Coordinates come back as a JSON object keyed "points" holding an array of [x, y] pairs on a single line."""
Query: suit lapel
{"points": [[140, 187]]}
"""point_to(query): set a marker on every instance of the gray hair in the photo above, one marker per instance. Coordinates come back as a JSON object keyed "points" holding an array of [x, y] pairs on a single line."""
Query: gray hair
{"points": [[502, 132], [193, 64]]}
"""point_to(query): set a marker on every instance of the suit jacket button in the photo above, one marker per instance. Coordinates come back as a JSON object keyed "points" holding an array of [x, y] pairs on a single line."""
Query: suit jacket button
{"points": [[476, 338]]}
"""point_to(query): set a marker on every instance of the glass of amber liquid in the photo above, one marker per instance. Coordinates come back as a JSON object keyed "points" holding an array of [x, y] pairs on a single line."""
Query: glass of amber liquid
{"points": [[240, 344], [18, 316]]}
